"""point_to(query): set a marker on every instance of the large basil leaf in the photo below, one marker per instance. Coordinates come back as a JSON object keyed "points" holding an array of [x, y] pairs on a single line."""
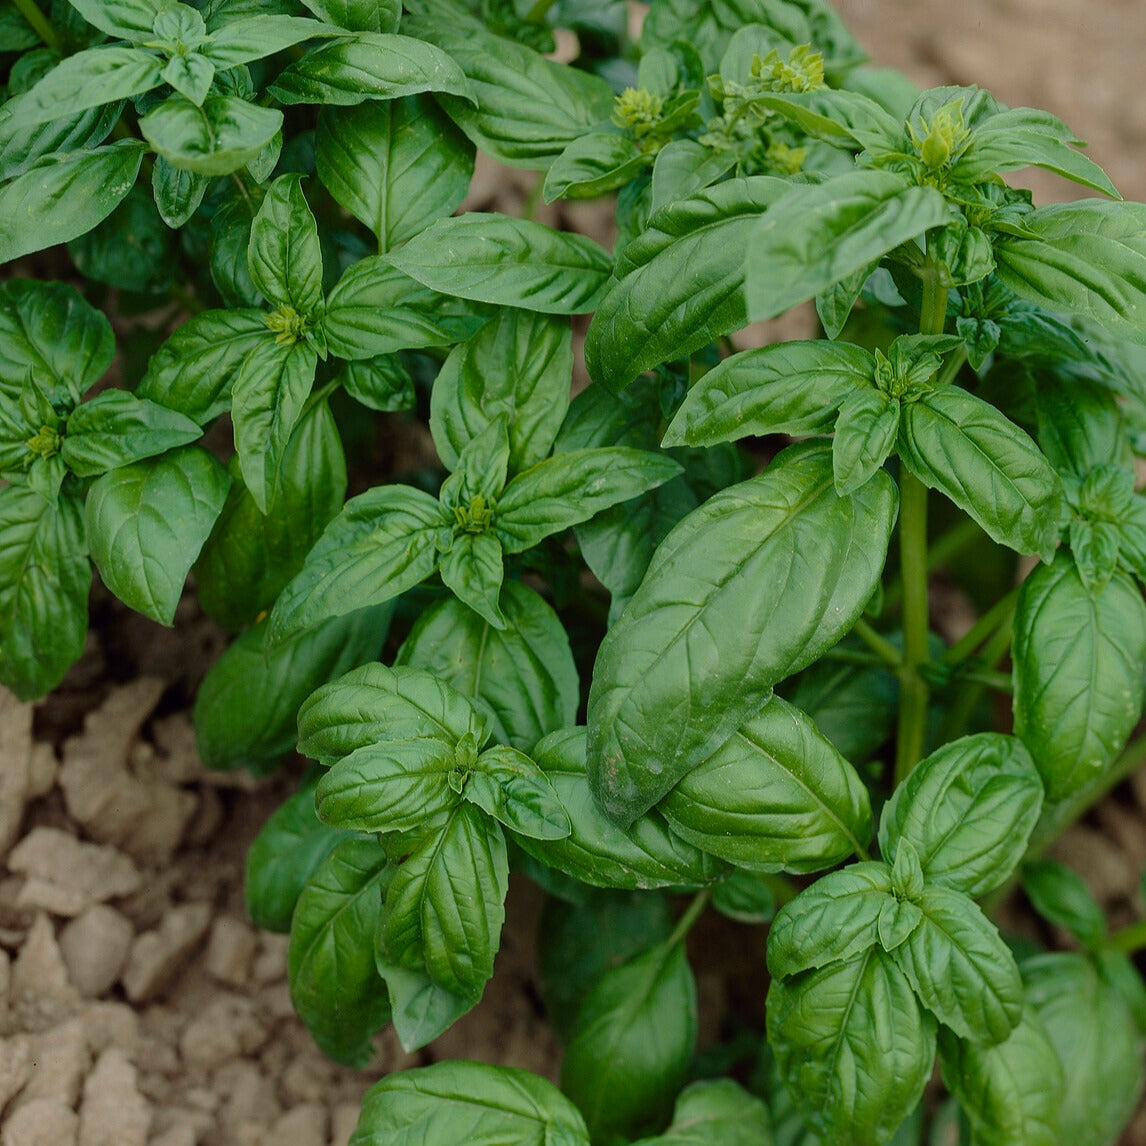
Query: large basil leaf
{"points": [[285, 854], [382, 543], [123, 19], [1096, 1040], [819, 234], [284, 257], [375, 703], [446, 906], [226, 133], [334, 985], [116, 428], [50, 336], [1078, 663], [1010, 1092], [508, 262], [523, 676], [529, 109], [632, 1044], [65, 195], [369, 65], [964, 447], [44, 582], [788, 388], [147, 522], [395, 166], [241, 40], [721, 617], [358, 15], [652, 313], [452, 1102], [776, 796], [1087, 258], [968, 810], [1080, 425], [853, 1046], [645, 856], [961, 969], [193, 371], [246, 708], [20, 147], [519, 364]]}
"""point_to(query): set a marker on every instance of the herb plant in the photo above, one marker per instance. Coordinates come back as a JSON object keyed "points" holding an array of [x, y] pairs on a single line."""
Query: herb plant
{"points": [[670, 635]]}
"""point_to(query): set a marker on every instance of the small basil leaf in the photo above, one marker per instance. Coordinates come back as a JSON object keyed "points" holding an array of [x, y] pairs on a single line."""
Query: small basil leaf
{"points": [[715, 1111], [239, 41], [509, 262], [177, 193], [284, 257], [226, 133], [116, 428], [420, 1009], [684, 167], [1061, 897], [147, 522], [379, 383], [358, 15], [472, 570], [866, 430], [375, 703], [190, 75], [507, 785], [632, 1044], [122, 19], [968, 809], [334, 985], [593, 165], [745, 896]]}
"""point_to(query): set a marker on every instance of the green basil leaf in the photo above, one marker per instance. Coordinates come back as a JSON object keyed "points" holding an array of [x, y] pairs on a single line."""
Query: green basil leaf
{"points": [[787, 388], [508, 262], [716, 1112], [284, 258], [819, 234], [1078, 665], [519, 364], [683, 167], [507, 785], [632, 1044], [146, 523], [16, 34], [382, 543], [847, 119], [21, 147], [254, 37], [116, 428], [674, 681], [227, 246], [52, 337], [190, 75], [865, 435], [226, 133], [379, 383], [652, 313], [64, 195], [177, 193], [450, 1101], [85, 80], [420, 1009], [1095, 1038], [131, 249], [375, 703], [246, 709], [1061, 897], [1020, 137], [250, 556], [968, 809], [528, 109], [961, 969], [193, 371], [578, 943], [267, 398], [853, 1046], [570, 487], [965, 448], [1080, 425], [745, 896], [1011, 1092], [776, 796], [395, 166], [126, 19], [334, 985], [446, 906], [358, 15], [369, 65], [284, 855], [833, 920], [394, 786], [1086, 258], [645, 856], [593, 165], [44, 582], [377, 309], [522, 676]]}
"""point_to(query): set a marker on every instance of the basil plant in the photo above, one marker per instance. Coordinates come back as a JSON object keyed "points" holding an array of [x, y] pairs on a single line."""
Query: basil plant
{"points": [[671, 636]]}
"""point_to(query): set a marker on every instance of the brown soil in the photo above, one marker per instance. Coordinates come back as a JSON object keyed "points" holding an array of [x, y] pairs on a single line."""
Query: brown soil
{"points": [[138, 1007]]}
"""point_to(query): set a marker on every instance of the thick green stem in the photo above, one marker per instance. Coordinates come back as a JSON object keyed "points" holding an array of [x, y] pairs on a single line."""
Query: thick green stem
{"points": [[691, 914], [879, 644], [949, 545], [914, 693], [41, 25]]}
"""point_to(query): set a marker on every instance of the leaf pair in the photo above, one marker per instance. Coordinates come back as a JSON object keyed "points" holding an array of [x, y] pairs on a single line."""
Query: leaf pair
{"points": [[893, 947]]}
